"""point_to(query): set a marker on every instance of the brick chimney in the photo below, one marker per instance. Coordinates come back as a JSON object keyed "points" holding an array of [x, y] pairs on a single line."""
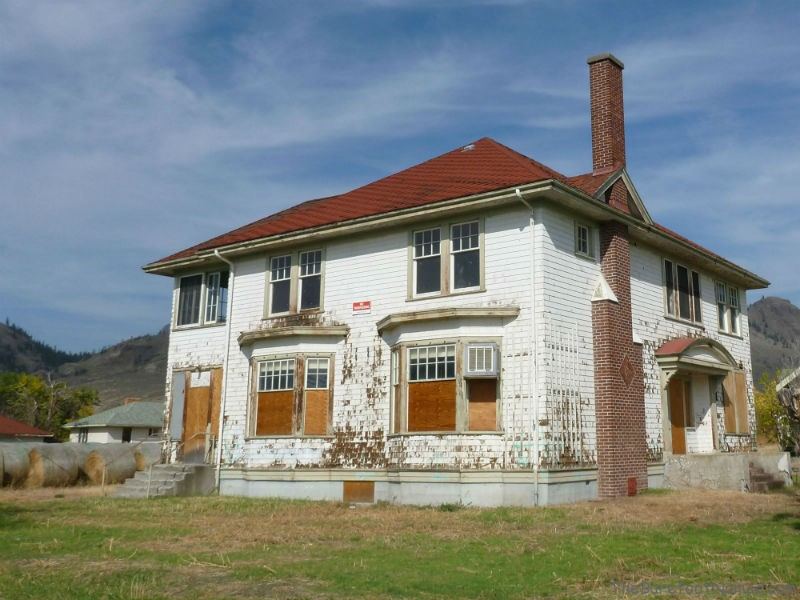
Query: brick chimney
{"points": [[608, 114], [618, 374]]}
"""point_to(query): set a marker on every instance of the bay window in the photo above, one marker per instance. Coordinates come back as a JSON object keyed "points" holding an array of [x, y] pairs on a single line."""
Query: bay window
{"points": [[292, 396], [448, 387]]}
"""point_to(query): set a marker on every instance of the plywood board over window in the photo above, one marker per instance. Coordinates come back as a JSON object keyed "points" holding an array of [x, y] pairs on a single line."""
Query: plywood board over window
{"points": [[275, 411], [432, 405], [734, 391], [482, 394]]}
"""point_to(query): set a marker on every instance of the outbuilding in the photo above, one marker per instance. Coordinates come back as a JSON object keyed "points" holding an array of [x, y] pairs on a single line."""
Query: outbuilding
{"points": [[131, 422]]}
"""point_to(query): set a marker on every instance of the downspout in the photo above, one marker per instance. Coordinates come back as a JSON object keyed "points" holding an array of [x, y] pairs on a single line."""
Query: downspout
{"points": [[532, 392], [224, 394]]}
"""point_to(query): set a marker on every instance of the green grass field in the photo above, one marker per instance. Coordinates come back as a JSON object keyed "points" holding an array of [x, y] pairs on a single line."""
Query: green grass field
{"points": [[669, 545]]}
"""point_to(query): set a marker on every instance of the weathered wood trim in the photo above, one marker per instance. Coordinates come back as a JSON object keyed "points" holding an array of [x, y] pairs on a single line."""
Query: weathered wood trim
{"points": [[248, 337], [435, 314]]}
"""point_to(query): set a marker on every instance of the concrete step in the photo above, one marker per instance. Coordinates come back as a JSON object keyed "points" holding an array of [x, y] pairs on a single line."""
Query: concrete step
{"points": [[161, 475]]}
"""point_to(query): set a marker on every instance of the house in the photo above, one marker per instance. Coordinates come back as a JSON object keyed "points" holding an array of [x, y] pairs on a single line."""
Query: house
{"points": [[12, 430], [478, 328], [131, 422]]}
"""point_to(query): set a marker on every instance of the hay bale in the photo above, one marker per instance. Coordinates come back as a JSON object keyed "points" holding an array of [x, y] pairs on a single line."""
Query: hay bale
{"points": [[147, 453], [16, 462], [117, 460], [52, 465]]}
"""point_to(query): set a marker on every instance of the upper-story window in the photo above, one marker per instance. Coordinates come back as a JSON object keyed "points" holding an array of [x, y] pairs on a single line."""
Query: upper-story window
{"points": [[202, 299], [682, 286], [584, 240], [295, 282], [728, 308], [458, 246]]}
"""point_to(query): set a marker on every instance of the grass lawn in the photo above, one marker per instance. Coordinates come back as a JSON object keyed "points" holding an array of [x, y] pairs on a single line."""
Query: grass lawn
{"points": [[667, 545]]}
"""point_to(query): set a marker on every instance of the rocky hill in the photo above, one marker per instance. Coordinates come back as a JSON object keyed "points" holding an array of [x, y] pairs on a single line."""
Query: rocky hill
{"points": [[774, 335]]}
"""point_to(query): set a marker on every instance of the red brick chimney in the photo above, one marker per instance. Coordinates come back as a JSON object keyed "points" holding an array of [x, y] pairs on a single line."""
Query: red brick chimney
{"points": [[618, 374], [608, 113]]}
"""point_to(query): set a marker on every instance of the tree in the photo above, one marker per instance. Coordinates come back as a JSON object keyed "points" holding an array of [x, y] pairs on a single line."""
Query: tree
{"points": [[775, 420], [43, 403]]}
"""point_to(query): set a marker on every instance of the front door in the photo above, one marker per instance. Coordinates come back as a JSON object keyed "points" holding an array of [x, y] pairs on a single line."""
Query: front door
{"points": [[201, 405], [677, 413]]}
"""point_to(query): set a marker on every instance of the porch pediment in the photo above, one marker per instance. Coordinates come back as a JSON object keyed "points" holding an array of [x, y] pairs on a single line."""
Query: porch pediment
{"points": [[695, 354]]}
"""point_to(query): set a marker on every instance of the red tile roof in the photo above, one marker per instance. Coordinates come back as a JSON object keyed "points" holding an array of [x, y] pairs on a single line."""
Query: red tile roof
{"points": [[675, 346], [11, 427], [588, 182], [479, 167]]}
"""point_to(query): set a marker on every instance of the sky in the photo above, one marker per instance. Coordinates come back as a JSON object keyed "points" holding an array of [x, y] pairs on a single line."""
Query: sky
{"points": [[130, 130]]}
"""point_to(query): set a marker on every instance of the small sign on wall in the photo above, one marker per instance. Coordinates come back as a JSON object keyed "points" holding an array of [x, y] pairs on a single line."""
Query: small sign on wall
{"points": [[200, 379], [363, 307]]}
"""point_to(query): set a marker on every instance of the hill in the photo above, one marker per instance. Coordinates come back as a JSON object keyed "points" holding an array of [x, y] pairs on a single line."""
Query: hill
{"points": [[774, 335], [132, 368]]}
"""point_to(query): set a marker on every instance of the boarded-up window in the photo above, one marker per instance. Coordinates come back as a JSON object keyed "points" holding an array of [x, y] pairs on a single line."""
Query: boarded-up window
{"points": [[317, 397], [734, 391], [432, 405], [289, 404], [482, 396], [275, 408]]}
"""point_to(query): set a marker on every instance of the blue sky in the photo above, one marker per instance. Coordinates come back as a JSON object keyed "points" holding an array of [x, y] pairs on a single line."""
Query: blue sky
{"points": [[129, 130]]}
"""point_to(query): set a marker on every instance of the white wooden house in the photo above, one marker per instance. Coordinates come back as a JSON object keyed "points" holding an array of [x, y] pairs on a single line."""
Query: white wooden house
{"points": [[479, 328]]}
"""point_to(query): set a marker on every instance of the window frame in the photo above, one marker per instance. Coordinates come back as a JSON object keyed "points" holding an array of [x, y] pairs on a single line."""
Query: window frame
{"points": [[695, 300], [299, 403], [446, 259], [733, 325], [295, 285], [591, 251], [203, 308], [453, 253], [400, 365]]}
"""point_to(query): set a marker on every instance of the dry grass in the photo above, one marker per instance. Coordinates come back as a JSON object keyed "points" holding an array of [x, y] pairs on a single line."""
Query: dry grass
{"points": [[247, 548], [23, 495]]}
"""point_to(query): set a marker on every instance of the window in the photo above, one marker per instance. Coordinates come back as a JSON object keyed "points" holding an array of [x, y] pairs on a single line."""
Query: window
{"points": [[288, 406], [202, 299], [191, 289], [295, 283], [584, 240], [216, 297], [436, 396], [682, 287], [456, 247], [734, 403], [427, 261], [310, 279], [728, 308], [83, 435], [280, 278], [466, 255], [126, 434]]}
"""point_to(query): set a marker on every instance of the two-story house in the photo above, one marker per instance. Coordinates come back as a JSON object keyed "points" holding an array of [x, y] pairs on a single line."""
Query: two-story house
{"points": [[478, 328]]}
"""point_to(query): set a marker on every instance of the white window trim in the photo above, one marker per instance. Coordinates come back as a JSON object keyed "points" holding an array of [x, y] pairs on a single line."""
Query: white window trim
{"points": [[327, 362], [591, 252], [727, 306], [452, 257], [295, 285], [428, 348], [446, 287]]}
